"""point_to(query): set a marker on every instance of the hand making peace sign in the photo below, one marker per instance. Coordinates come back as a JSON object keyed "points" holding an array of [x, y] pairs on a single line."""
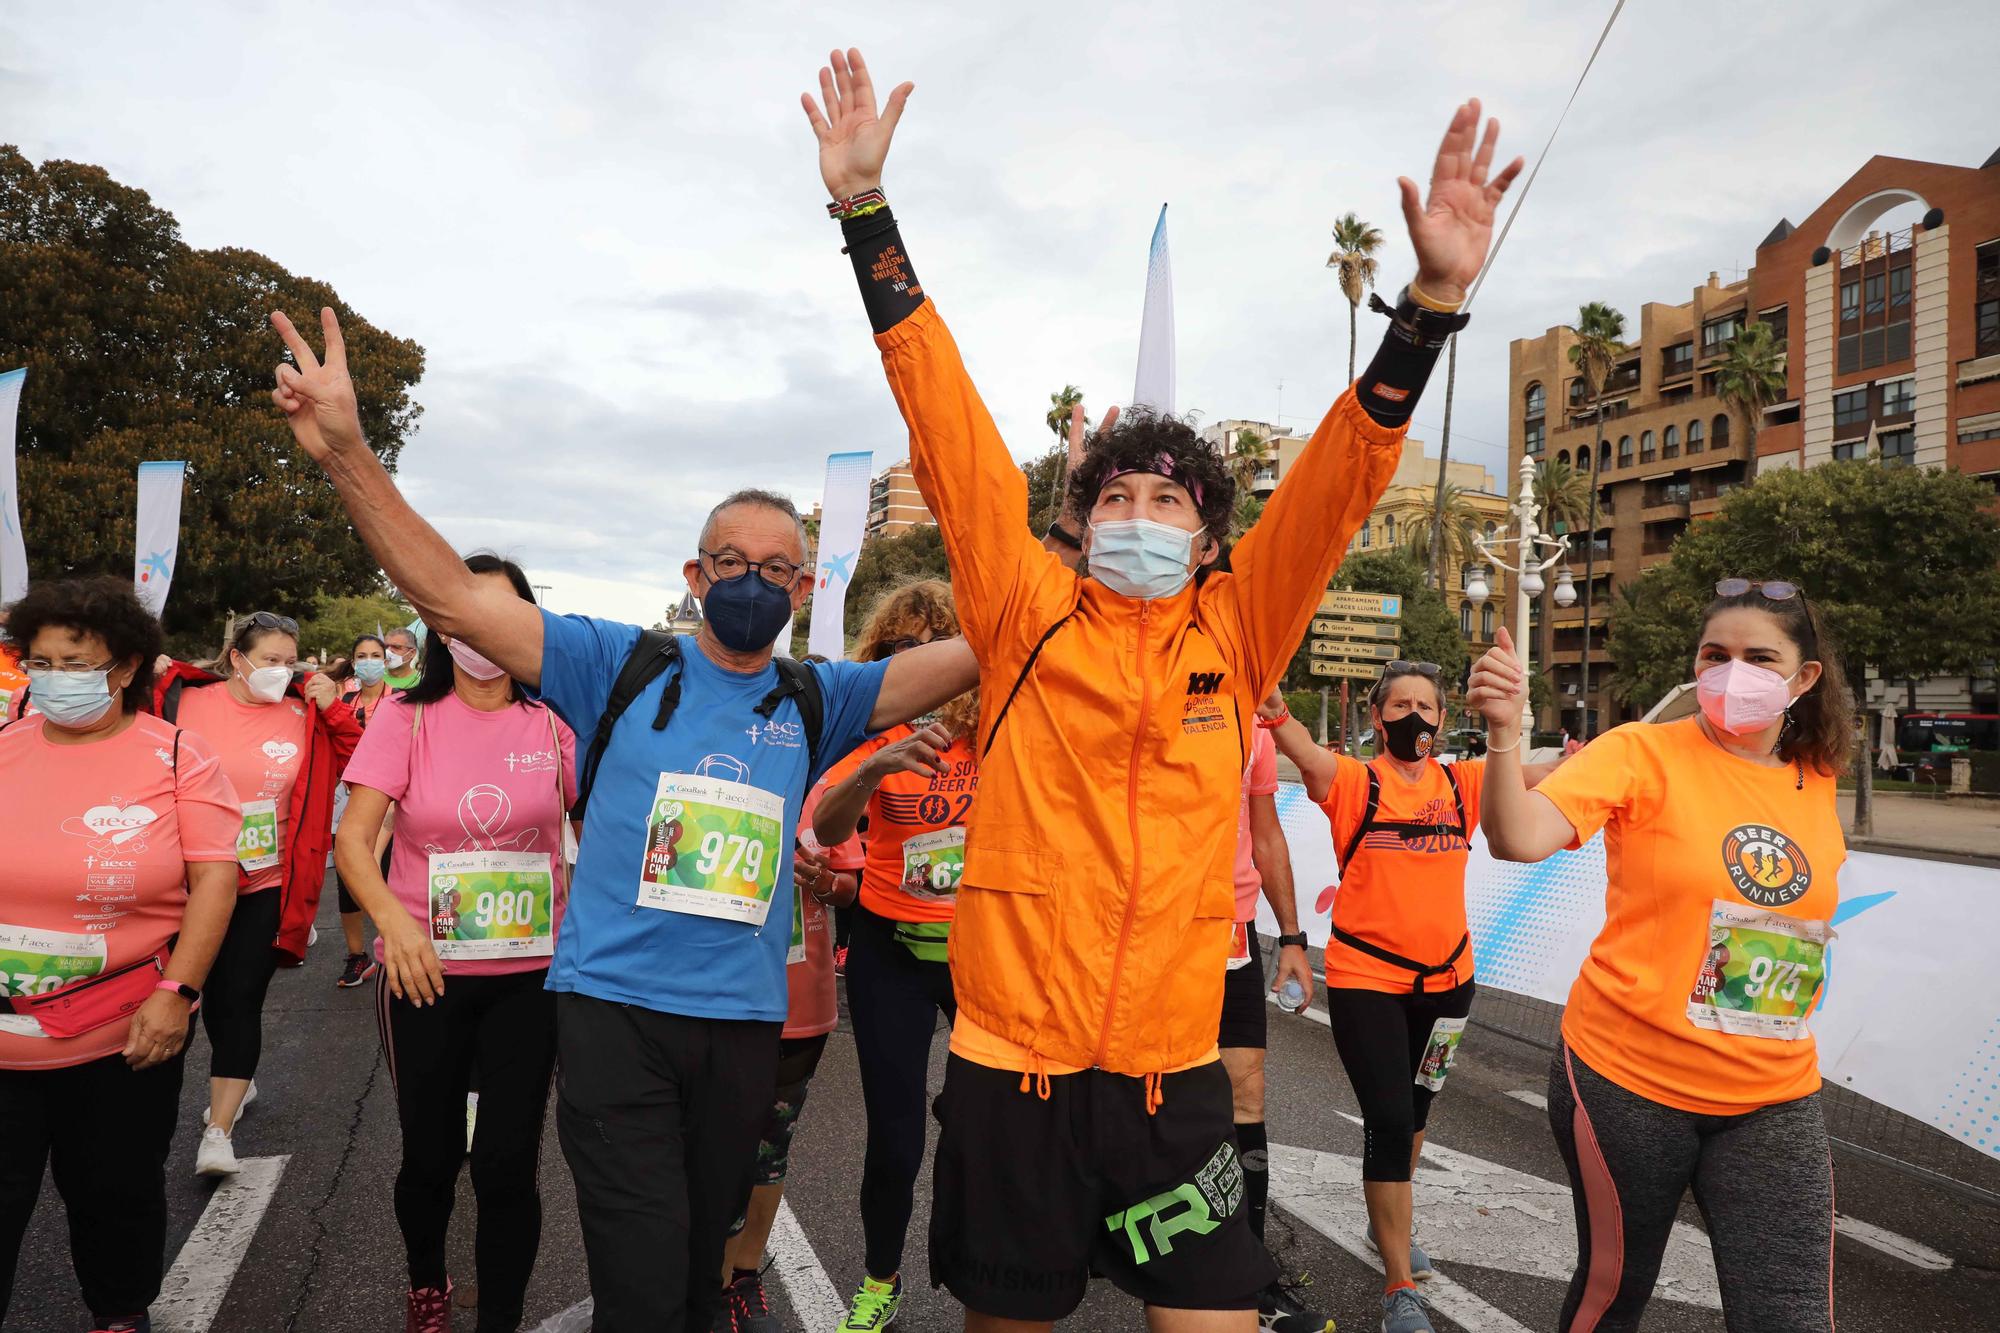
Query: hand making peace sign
{"points": [[317, 399]]}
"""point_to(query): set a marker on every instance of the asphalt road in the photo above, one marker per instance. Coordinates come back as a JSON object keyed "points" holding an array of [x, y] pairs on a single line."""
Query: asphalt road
{"points": [[326, 1254]]}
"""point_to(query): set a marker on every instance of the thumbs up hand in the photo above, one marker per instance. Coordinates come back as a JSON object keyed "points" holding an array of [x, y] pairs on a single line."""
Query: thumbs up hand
{"points": [[1498, 685]]}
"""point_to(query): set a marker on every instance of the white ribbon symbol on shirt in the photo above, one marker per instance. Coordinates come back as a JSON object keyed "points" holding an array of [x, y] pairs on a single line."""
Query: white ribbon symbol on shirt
{"points": [[483, 811]]}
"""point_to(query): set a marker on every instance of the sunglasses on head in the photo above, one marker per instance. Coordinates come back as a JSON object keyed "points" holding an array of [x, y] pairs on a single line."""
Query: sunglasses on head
{"points": [[1774, 590], [265, 620], [1401, 668]]}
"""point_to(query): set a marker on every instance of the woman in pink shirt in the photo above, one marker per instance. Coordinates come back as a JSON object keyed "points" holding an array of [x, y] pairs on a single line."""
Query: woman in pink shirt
{"points": [[482, 779], [121, 851]]}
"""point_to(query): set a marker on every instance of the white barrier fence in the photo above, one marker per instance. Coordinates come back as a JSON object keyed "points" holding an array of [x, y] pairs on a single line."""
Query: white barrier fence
{"points": [[1911, 1016]]}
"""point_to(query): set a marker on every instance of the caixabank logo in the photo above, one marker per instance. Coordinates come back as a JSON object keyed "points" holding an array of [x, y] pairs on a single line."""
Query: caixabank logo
{"points": [[1766, 866]]}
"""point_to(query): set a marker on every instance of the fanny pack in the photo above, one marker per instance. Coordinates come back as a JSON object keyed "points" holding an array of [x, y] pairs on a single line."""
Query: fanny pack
{"points": [[928, 940], [71, 1011]]}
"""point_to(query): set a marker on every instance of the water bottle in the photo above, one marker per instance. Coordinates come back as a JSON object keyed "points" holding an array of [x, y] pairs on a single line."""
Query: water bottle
{"points": [[1292, 996]]}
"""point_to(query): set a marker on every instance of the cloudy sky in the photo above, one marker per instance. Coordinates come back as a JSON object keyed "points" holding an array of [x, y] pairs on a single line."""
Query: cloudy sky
{"points": [[603, 221]]}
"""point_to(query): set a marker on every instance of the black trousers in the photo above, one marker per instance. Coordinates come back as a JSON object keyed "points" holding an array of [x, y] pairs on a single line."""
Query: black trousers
{"points": [[1381, 1039], [232, 1003], [659, 1116], [104, 1129], [501, 1030], [894, 999]]}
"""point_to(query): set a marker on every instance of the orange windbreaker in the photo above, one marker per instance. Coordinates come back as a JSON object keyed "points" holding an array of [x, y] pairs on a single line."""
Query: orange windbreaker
{"points": [[1094, 917]]}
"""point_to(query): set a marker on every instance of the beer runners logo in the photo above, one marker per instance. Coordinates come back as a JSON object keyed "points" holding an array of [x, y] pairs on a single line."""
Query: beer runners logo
{"points": [[1203, 710], [1765, 866]]}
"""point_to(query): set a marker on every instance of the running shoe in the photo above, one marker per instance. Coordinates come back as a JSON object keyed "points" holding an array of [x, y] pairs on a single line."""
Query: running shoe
{"points": [[744, 1309], [840, 961], [1403, 1312], [1279, 1310], [216, 1156], [207, 1112], [359, 968], [875, 1306], [1421, 1267], [428, 1310], [142, 1324]]}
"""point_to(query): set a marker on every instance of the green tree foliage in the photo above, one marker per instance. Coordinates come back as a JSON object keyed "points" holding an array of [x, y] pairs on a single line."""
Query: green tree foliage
{"points": [[1354, 264], [336, 622], [1430, 627], [1751, 375], [890, 562], [140, 347]]}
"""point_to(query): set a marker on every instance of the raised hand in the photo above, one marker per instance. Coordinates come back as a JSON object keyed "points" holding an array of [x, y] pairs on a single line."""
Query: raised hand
{"points": [[317, 399], [853, 138], [1497, 684], [1453, 229], [1077, 435]]}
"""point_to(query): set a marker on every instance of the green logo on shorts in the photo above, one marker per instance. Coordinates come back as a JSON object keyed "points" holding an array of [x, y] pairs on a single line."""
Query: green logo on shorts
{"points": [[1214, 1194]]}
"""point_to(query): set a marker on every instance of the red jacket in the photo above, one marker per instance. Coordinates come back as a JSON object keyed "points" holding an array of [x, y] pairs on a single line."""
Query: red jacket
{"points": [[329, 744]]}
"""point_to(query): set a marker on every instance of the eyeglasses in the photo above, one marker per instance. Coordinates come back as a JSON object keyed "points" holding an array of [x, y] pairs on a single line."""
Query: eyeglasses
{"points": [[903, 645], [63, 668], [264, 620], [1775, 590], [1401, 668], [730, 566]]}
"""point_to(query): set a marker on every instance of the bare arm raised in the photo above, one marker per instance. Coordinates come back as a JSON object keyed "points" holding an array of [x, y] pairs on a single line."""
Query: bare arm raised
{"points": [[317, 398]]}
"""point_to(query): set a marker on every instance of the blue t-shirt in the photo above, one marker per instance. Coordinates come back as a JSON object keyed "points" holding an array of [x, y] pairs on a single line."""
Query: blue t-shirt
{"points": [[609, 946]]}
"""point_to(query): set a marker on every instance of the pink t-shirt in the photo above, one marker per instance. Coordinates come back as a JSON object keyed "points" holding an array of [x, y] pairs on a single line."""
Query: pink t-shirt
{"points": [[815, 1007], [468, 781], [263, 750], [1259, 779], [97, 840]]}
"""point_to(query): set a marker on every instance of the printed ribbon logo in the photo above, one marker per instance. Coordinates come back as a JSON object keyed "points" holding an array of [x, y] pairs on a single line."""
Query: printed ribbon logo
{"points": [[112, 826], [1765, 866], [484, 811]]}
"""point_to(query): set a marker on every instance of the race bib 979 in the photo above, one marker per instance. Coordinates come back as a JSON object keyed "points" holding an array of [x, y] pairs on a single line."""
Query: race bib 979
{"points": [[713, 848]]}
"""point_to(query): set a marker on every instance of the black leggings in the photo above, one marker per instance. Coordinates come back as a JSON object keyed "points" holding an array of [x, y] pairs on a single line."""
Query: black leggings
{"points": [[501, 1029], [1763, 1181], [798, 1061], [105, 1130], [893, 1000], [1381, 1038], [232, 1004]]}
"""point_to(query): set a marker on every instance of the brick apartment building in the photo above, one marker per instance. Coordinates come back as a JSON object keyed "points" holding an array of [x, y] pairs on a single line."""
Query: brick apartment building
{"points": [[894, 503], [1894, 332]]}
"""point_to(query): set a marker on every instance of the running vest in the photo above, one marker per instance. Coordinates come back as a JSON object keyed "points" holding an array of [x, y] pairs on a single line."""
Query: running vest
{"points": [[1421, 972]]}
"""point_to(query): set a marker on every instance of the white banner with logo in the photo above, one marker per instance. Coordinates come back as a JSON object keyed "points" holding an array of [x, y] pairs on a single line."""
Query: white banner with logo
{"points": [[1911, 1011], [843, 510], [159, 532], [1153, 386], [13, 551]]}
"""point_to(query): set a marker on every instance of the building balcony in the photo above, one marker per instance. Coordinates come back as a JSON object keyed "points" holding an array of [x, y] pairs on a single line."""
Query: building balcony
{"points": [[1662, 509]]}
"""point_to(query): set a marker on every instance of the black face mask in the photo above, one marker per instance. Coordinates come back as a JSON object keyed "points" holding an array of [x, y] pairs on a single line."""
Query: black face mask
{"points": [[1410, 737], [745, 612]]}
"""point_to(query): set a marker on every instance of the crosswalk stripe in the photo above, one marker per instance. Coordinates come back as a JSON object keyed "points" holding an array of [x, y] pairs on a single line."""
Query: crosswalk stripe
{"points": [[812, 1292], [193, 1290], [1911, 1252]]}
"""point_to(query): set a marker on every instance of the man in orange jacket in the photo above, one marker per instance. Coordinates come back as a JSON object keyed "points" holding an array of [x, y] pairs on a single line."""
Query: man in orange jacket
{"points": [[1087, 1119]]}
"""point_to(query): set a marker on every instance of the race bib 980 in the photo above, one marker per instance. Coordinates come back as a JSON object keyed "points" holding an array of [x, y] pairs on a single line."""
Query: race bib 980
{"points": [[492, 905]]}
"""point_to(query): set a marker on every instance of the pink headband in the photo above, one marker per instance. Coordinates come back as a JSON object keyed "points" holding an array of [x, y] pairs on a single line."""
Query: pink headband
{"points": [[1163, 466]]}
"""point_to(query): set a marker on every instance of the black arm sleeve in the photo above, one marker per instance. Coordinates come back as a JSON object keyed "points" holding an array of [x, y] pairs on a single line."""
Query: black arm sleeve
{"points": [[889, 286], [1388, 390]]}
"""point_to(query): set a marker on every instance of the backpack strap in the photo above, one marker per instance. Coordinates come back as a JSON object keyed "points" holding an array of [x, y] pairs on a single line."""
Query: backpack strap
{"points": [[798, 681], [1368, 813], [653, 654], [993, 732], [1457, 796]]}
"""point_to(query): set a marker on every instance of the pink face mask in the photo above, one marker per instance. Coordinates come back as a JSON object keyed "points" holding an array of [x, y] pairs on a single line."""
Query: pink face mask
{"points": [[472, 663], [1741, 697]]}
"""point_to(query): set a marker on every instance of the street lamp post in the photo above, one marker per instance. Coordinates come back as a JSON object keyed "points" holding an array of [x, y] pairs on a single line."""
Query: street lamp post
{"points": [[1527, 571]]}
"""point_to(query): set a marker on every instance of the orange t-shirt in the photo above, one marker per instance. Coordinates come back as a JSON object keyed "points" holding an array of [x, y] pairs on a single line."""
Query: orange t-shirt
{"points": [[1717, 866], [263, 748], [916, 831], [1406, 895], [13, 683], [98, 837]]}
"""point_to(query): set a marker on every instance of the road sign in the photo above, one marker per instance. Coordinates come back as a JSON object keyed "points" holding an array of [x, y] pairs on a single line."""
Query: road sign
{"points": [[1378, 605], [1343, 628], [1357, 652], [1321, 666]]}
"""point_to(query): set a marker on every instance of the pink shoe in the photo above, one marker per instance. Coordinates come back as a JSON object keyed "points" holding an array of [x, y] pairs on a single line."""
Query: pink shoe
{"points": [[429, 1310]]}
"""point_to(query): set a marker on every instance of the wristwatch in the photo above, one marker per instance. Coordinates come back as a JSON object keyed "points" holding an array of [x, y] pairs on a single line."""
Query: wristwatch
{"points": [[182, 989], [1299, 939]]}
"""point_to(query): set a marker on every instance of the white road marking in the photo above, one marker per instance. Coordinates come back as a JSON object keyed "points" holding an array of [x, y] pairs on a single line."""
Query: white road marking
{"points": [[1316, 1015], [814, 1299], [194, 1287], [1534, 1099], [1888, 1242], [576, 1319]]}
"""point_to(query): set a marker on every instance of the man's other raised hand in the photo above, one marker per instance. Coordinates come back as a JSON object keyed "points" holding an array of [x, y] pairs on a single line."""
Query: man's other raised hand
{"points": [[1453, 229], [317, 397], [853, 137]]}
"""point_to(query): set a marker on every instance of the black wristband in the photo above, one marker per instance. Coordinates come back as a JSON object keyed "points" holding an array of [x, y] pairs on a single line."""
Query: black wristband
{"points": [[1065, 536], [1388, 390], [1299, 939], [889, 287]]}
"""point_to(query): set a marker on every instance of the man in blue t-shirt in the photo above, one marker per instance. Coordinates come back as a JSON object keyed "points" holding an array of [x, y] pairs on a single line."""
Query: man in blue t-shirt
{"points": [[670, 964]]}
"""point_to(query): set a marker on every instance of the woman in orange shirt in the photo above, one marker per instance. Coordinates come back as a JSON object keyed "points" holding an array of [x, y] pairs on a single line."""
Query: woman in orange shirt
{"points": [[1399, 966], [915, 786], [1686, 1062]]}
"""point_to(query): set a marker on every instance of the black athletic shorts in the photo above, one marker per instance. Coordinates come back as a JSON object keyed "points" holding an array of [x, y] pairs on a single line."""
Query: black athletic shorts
{"points": [[1030, 1195], [1243, 1017]]}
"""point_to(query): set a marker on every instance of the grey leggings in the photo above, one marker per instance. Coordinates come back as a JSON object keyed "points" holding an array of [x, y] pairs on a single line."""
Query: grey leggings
{"points": [[1763, 1181]]}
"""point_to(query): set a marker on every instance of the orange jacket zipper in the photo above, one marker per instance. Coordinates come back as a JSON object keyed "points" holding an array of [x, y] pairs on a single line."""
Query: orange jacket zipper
{"points": [[1132, 818]]}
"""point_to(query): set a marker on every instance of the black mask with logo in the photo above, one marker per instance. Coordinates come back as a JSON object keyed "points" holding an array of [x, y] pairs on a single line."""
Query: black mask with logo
{"points": [[1409, 737]]}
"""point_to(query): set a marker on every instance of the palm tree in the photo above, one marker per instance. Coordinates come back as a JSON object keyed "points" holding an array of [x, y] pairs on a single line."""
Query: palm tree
{"points": [[1249, 454], [1453, 537], [1060, 404], [1562, 499], [1354, 245], [1600, 341], [1751, 375], [1247, 509]]}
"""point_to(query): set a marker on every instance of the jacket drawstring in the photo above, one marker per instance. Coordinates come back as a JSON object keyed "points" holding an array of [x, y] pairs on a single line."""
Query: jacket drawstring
{"points": [[1155, 1098], [1036, 1076]]}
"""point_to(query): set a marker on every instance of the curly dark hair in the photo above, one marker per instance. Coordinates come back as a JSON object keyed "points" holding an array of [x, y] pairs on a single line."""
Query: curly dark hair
{"points": [[104, 605], [1135, 443]]}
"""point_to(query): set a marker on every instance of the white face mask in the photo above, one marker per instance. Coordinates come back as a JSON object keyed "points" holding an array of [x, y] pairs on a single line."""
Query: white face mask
{"points": [[396, 660], [267, 684], [1141, 558]]}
